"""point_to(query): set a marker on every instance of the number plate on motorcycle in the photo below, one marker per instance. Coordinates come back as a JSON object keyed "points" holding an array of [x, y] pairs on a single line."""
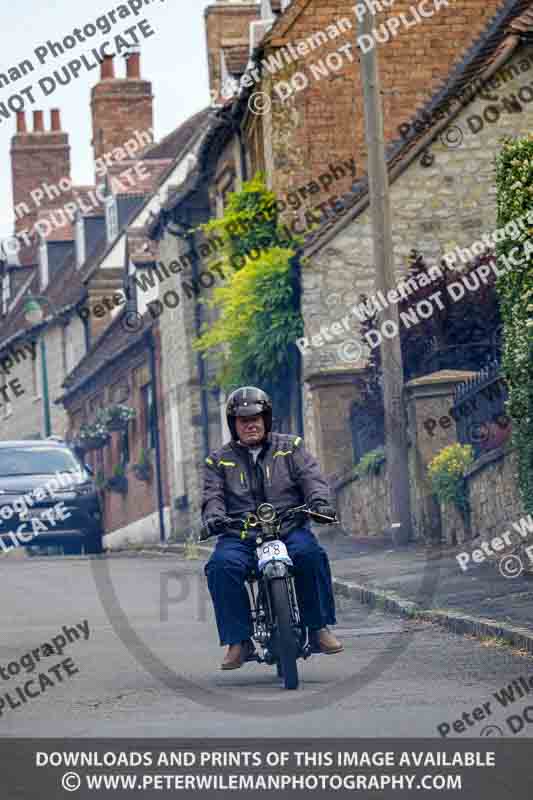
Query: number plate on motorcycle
{"points": [[272, 551]]}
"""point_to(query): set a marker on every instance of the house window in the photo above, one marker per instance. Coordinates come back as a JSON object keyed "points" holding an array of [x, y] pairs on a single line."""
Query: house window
{"points": [[80, 242], [6, 292], [111, 217], [43, 262], [148, 416]]}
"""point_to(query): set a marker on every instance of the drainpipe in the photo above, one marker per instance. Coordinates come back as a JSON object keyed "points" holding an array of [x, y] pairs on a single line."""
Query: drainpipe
{"points": [[46, 392], [298, 360], [204, 414], [242, 150], [155, 423]]}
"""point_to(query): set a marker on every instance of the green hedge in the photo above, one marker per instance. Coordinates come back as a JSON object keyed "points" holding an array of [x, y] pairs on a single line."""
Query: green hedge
{"points": [[514, 180]]}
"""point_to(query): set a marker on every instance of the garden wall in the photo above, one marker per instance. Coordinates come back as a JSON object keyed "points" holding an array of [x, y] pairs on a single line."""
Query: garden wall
{"points": [[495, 500], [362, 505]]}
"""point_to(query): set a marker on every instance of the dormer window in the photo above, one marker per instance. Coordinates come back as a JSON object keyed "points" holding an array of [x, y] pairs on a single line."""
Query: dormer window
{"points": [[80, 242], [43, 263], [111, 217]]}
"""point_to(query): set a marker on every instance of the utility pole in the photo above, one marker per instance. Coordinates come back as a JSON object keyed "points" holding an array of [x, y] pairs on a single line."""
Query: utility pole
{"points": [[391, 353]]}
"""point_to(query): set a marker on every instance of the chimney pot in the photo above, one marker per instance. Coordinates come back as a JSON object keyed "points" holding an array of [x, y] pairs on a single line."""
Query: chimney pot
{"points": [[38, 122], [133, 66], [21, 122], [107, 69], [55, 118]]}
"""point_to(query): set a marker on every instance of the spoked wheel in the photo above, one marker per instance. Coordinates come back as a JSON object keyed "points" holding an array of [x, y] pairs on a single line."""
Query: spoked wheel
{"points": [[287, 642]]}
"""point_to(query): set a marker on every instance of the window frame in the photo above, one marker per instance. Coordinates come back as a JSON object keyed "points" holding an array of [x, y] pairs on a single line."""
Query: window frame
{"points": [[111, 217], [6, 291], [81, 254], [44, 267], [148, 410]]}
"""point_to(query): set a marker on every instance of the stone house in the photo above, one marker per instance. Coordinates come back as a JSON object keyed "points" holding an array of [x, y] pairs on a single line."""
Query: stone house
{"points": [[442, 195], [231, 152], [95, 274], [312, 131], [126, 363], [59, 228]]}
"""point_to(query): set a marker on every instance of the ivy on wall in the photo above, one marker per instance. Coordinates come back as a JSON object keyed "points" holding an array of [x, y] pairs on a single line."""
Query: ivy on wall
{"points": [[252, 338], [514, 182]]}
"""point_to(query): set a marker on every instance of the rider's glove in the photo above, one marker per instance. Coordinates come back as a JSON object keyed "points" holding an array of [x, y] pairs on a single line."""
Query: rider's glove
{"points": [[215, 525], [320, 507]]}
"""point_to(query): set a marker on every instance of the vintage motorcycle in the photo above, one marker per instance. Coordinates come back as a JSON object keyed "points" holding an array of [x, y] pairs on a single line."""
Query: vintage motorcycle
{"points": [[275, 614]]}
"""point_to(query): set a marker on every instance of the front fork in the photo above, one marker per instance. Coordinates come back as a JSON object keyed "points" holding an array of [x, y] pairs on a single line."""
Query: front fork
{"points": [[263, 620]]}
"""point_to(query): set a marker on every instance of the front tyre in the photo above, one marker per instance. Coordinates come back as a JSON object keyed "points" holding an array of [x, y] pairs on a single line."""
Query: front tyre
{"points": [[287, 643]]}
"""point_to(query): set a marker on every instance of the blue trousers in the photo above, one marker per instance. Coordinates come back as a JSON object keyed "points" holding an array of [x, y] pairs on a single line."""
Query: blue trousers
{"points": [[231, 561]]}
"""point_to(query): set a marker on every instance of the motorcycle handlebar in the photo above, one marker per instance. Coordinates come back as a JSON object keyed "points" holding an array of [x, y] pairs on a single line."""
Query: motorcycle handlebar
{"points": [[315, 516]]}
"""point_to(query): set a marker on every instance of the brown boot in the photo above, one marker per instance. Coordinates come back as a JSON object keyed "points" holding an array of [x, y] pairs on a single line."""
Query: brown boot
{"points": [[327, 642], [237, 654]]}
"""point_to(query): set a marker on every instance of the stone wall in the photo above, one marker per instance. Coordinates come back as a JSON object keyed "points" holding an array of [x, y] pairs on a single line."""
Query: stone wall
{"points": [[492, 480], [494, 493], [495, 500], [182, 401], [451, 203], [362, 504]]}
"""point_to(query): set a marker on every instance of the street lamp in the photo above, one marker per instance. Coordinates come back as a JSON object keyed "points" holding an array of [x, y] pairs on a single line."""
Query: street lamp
{"points": [[33, 314]]}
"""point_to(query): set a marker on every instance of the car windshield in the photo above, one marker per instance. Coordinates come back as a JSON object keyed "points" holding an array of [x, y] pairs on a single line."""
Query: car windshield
{"points": [[36, 461]]}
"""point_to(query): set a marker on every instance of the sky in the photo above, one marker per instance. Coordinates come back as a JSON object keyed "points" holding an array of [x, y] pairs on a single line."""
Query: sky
{"points": [[173, 59]]}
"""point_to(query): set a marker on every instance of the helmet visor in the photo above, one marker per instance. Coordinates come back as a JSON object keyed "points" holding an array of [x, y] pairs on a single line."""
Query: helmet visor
{"points": [[249, 410]]}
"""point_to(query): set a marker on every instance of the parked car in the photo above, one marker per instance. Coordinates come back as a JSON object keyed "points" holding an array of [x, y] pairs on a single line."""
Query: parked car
{"points": [[69, 515]]}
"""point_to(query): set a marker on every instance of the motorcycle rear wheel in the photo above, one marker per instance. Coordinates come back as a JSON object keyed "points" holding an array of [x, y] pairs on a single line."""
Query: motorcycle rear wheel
{"points": [[287, 643]]}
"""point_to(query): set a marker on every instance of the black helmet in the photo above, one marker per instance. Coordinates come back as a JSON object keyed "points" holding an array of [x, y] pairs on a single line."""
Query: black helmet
{"points": [[247, 402]]}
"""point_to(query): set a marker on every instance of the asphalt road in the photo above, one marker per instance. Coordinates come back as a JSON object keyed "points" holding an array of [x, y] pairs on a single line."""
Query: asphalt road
{"points": [[150, 664]]}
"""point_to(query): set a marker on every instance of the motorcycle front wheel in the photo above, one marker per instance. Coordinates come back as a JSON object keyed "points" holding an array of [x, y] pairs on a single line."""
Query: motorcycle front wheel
{"points": [[287, 643]]}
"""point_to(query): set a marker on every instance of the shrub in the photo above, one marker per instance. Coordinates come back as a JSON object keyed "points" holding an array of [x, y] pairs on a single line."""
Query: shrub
{"points": [[446, 473], [370, 463], [259, 318], [514, 181]]}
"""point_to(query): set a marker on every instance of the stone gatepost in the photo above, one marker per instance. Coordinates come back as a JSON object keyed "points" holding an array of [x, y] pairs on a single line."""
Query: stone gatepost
{"points": [[429, 400], [333, 393]]}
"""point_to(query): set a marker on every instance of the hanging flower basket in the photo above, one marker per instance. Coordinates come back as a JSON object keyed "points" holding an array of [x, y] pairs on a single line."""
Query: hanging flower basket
{"points": [[117, 417], [143, 472], [143, 469], [118, 483], [92, 437], [96, 442]]}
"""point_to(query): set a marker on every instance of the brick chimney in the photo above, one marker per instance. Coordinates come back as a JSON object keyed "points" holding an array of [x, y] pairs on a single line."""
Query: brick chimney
{"points": [[227, 24], [39, 158], [120, 106]]}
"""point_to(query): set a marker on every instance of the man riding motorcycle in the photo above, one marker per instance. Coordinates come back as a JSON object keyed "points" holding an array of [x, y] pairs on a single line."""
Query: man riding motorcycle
{"points": [[259, 466]]}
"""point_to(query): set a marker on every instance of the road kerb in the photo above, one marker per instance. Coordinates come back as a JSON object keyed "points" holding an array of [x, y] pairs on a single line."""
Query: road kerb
{"points": [[454, 621]]}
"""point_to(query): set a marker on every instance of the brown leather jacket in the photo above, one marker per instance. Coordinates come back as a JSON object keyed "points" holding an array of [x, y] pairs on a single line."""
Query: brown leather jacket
{"points": [[285, 475]]}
